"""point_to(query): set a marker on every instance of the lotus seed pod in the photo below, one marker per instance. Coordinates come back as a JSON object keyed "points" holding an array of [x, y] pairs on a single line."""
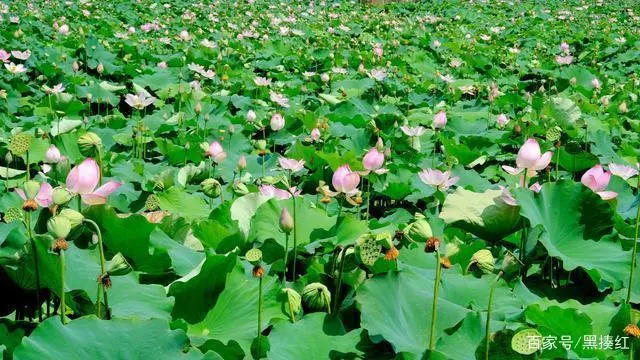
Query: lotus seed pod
{"points": [[31, 189], [521, 341], [20, 143], [368, 249], [294, 299], [61, 196], [286, 221], [118, 265], [152, 203], [554, 133], [59, 227], [484, 260], [317, 296], [261, 145], [385, 239], [89, 143], [254, 256], [13, 214], [419, 230], [211, 188], [75, 218]]}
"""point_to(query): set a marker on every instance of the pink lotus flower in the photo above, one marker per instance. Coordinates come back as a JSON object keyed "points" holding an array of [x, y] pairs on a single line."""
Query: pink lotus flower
{"points": [[530, 158], [4, 55], [413, 131], [564, 60], [21, 55], [162, 65], [279, 99], [44, 197], [440, 120], [84, 178], [262, 81], [373, 161], [597, 179], [277, 122], [315, 134], [270, 190], [502, 120], [64, 29], [251, 116], [377, 50], [596, 83], [139, 101], [292, 165], [216, 152], [564, 47], [53, 155], [623, 171], [345, 181], [437, 178], [15, 69]]}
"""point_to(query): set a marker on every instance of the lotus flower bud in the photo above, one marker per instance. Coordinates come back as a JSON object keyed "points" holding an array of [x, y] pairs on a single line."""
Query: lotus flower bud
{"points": [[286, 221], [75, 218], [13, 214], [89, 143], [100, 68], [31, 189], [198, 108], [419, 230], [118, 265], [483, 259], [75, 67], [59, 227], [294, 299], [211, 188], [251, 116], [61, 196], [317, 296], [242, 163]]}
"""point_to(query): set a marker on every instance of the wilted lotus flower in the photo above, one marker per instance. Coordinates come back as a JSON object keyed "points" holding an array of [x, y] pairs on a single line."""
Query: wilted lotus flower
{"points": [[270, 190], [502, 120], [437, 178], [315, 134], [83, 180], [277, 122], [345, 181], [624, 171], [139, 101], [292, 165], [373, 161], [34, 193], [530, 158], [440, 120], [413, 131], [597, 179], [216, 152]]}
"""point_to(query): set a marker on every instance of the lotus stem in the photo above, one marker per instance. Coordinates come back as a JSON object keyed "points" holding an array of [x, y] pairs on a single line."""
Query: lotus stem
{"points": [[488, 324], [635, 248], [286, 258], [295, 236], [62, 295], [27, 220], [102, 267], [259, 316], [336, 299], [436, 288], [368, 196]]}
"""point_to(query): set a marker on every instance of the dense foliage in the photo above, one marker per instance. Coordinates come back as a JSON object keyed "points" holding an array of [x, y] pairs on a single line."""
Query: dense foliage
{"points": [[316, 179]]}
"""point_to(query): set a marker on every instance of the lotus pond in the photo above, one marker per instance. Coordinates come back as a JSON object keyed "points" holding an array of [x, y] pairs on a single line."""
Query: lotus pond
{"points": [[319, 180]]}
